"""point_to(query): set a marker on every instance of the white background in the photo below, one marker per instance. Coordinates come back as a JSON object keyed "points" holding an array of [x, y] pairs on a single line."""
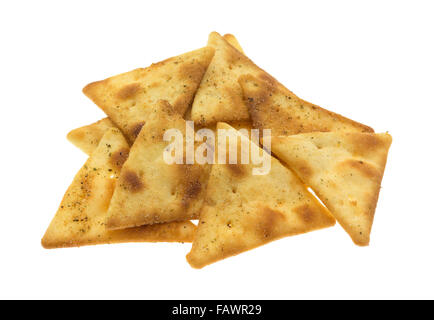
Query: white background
{"points": [[369, 60]]}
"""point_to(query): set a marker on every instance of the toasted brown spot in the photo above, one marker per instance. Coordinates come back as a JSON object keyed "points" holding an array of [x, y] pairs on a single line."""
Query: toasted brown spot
{"points": [[193, 71], [302, 167], [264, 115], [234, 94], [190, 182], [128, 91], [268, 221], [255, 92], [367, 169], [306, 213], [154, 84], [192, 190], [236, 169], [166, 107], [181, 104], [132, 181], [268, 79], [135, 129], [119, 157]]}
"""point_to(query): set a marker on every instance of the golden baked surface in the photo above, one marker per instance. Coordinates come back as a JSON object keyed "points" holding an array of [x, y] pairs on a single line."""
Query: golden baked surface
{"points": [[127, 191], [219, 97], [344, 169], [151, 191], [127, 98], [272, 106], [243, 211], [81, 217]]}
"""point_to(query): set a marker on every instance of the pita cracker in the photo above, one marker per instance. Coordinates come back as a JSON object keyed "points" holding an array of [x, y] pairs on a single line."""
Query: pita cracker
{"points": [[82, 214], [243, 211], [246, 124], [230, 38], [241, 124], [219, 97], [344, 169], [127, 98], [272, 106], [88, 137], [151, 191]]}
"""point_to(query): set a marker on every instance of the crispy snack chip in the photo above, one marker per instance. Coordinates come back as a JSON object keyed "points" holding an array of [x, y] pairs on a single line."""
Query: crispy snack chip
{"points": [[128, 98], [82, 214], [151, 191], [344, 169], [272, 106], [243, 211], [149, 172], [88, 137], [219, 97]]}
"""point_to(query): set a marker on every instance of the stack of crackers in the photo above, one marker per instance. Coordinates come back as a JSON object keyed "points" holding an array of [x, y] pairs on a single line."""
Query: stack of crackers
{"points": [[126, 192]]}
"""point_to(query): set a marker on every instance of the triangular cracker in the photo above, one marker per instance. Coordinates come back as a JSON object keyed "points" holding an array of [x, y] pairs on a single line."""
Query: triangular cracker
{"points": [[345, 171], [128, 97], [242, 124], [82, 214], [272, 106], [151, 191], [243, 211], [88, 137], [233, 42], [219, 97]]}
